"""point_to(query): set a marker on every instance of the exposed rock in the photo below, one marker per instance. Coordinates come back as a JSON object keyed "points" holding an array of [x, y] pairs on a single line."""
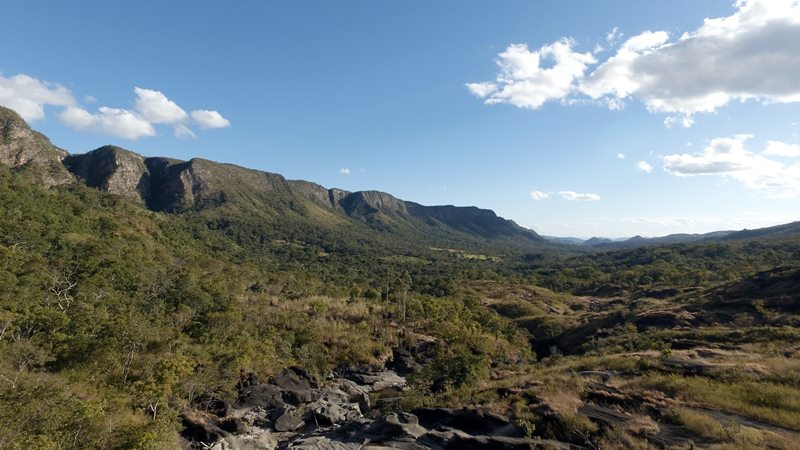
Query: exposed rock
{"points": [[261, 441], [267, 396], [396, 427], [202, 428], [472, 421], [288, 422], [376, 379], [23, 149], [232, 425], [402, 361], [330, 414], [297, 386], [114, 170], [363, 401], [323, 443]]}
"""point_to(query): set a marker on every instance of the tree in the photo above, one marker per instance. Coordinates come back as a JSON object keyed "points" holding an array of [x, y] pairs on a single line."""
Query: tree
{"points": [[403, 286]]}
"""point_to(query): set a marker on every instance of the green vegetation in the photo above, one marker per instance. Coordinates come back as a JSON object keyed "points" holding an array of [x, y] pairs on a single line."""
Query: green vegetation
{"points": [[115, 319]]}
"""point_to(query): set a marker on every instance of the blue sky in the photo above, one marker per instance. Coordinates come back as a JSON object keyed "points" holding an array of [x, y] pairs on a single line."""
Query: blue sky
{"points": [[447, 102]]}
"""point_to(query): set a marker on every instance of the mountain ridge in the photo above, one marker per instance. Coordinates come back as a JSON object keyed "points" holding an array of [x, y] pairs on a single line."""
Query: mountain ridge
{"points": [[173, 186]]}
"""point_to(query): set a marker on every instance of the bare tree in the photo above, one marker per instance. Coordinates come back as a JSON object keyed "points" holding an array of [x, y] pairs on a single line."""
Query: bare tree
{"points": [[62, 285]]}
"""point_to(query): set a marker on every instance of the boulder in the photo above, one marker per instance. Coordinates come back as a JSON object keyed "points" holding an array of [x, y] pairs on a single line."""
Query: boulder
{"points": [[262, 441], [232, 425], [396, 427], [363, 401], [330, 414], [402, 361], [267, 396], [203, 428], [288, 422], [377, 379], [472, 421], [297, 386], [323, 443]]}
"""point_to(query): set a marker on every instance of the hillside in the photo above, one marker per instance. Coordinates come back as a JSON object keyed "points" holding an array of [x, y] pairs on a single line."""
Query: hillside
{"points": [[253, 198], [149, 303]]}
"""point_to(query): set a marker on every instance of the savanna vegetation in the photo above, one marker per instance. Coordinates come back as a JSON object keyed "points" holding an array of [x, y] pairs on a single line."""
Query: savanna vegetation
{"points": [[115, 319]]}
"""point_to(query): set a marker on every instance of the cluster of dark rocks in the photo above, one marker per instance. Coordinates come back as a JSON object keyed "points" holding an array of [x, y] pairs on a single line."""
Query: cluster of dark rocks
{"points": [[294, 411]]}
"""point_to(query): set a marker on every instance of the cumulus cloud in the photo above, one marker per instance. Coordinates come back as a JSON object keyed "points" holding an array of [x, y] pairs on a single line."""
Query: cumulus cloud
{"points": [[524, 81], [110, 121], [539, 195], [620, 155], [344, 171], [643, 166], [751, 54], [730, 158], [155, 107], [206, 119], [777, 148], [577, 197], [28, 96]]}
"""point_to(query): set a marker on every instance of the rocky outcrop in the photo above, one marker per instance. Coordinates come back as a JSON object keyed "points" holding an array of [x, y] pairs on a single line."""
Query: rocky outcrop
{"points": [[114, 170], [294, 411], [364, 204], [167, 185], [23, 149]]}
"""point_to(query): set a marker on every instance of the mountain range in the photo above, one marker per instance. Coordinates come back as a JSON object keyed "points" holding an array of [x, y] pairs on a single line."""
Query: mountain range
{"points": [[219, 190], [227, 195]]}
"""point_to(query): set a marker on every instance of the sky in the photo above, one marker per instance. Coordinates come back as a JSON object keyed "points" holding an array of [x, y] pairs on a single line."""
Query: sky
{"points": [[574, 118]]}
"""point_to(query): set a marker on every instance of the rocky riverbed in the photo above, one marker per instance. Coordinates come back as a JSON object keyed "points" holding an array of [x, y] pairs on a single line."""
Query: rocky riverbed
{"points": [[295, 411]]}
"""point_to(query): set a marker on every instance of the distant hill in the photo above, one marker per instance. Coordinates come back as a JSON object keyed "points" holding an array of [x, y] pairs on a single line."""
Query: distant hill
{"points": [[776, 231], [680, 238], [564, 240]]}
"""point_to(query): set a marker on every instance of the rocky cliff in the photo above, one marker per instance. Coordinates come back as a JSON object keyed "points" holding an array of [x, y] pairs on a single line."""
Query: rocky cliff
{"points": [[168, 185], [23, 149]]}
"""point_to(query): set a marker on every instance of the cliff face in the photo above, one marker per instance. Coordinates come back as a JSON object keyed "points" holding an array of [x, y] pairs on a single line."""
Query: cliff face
{"points": [[168, 185], [113, 170], [26, 150]]}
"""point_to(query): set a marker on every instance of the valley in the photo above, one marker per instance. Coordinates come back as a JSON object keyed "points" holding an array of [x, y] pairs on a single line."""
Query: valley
{"points": [[153, 303]]}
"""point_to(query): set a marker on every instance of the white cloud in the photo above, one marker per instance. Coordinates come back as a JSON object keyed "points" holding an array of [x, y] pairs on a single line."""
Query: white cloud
{"points": [[777, 148], [577, 197], [539, 195], [524, 82], [209, 119], [483, 89], [182, 131], [614, 78], [667, 221], [730, 158], [156, 108], [613, 36], [643, 166], [752, 54], [685, 121], [28, 96], [621, 155], [344, 171], [110, 121]]}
